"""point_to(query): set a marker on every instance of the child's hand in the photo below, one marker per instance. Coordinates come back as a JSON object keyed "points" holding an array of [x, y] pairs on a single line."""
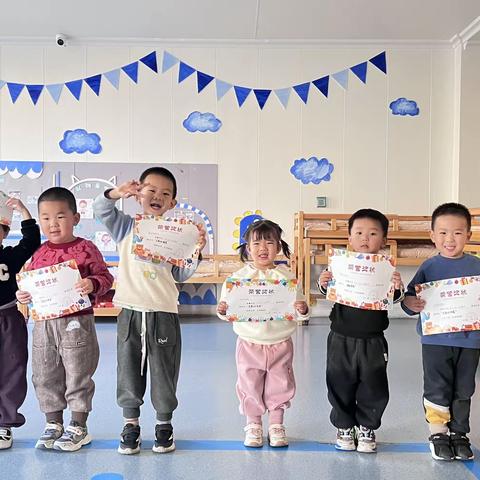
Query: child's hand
{"points": [[222, 308], [202, 239], [126, 190], [23, 297], [414, 304], [301, 307], [84, 286], [325, 277], [17, 205], [397, 280]]}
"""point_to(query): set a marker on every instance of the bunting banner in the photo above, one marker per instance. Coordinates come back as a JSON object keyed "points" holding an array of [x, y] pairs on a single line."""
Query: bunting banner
{"points": [[203, 80]]}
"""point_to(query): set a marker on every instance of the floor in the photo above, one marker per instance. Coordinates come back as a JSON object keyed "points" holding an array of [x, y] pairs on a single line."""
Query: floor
{"points": [[208, 427]]}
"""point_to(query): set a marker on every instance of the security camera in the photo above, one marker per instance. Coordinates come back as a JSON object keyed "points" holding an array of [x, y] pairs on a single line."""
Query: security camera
{"points": [[61, 40]]}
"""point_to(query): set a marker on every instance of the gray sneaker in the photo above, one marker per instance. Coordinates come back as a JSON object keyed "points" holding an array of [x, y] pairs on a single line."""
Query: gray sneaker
{"points": [[73, 439], [53, 431], [5, 438]]}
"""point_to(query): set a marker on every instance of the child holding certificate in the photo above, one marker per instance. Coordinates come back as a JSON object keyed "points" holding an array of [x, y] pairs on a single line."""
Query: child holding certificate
{"points": [[449, 359], [148, 327], [65, 349], [264, 349], [357, 351], [13, 331]]}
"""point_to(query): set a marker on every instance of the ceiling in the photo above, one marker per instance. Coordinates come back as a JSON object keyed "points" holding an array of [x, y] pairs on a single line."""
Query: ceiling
{"points": [[237, 21]]}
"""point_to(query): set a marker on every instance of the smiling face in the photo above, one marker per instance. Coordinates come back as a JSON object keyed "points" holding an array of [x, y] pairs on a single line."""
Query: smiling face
{"points": [[57, 220], [156, 196], [366, 236], [263, 251], [450, 234]]}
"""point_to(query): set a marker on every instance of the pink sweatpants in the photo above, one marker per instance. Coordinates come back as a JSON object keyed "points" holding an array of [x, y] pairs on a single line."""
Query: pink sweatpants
{"points": [[265, 379]]}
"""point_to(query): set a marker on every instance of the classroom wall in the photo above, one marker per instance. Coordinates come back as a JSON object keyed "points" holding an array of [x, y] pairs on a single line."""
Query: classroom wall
{"points": [[399, 164]]}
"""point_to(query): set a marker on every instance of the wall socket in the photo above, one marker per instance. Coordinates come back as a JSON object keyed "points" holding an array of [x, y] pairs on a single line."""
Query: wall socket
{"points": [[321, 202]]}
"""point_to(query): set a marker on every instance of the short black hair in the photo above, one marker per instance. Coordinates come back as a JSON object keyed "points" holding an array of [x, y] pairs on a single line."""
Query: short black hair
{"points": [[372, 215], [162, 172], [59, 194], [266, 229], [452, 208], [5, 228]]}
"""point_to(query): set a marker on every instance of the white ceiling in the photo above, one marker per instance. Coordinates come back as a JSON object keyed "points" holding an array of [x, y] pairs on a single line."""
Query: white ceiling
{"points": [[239, 20]]}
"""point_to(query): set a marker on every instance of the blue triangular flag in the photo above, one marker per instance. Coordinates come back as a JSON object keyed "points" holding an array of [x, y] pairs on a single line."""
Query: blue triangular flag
{"points": [[242, 94], [380, 61], [322, 85], [262, 96], [132, 71], [222, 88], [15, 90], [150, 61], [360, 71], [168, 61], [283, 94], [2, 83], [35, 91], [113, 76], [342, 78], [184, 72], [75, 88], [94, 83], [302, 91], [203, 80], [55, 91]]}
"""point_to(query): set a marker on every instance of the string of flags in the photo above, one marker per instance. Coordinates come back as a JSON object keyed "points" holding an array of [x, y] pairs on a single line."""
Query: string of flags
{"points": [[131, 70]]}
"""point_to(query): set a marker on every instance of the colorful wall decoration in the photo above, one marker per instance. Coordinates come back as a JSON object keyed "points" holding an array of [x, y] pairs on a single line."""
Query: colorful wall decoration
{"points": [[202, 122], [402, 106], [17, 169], [313, 170], [80, 141], [243, 222]]}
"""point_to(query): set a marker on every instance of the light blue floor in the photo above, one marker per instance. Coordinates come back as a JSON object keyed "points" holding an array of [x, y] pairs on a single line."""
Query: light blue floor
{"points": [[209, 429]]}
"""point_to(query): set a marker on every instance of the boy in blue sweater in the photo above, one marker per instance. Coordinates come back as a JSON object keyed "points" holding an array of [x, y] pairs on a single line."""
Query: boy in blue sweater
{"points": [[449, 359]]}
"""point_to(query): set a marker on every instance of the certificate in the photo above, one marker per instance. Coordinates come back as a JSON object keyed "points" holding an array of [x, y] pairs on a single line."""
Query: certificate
{"points": [[6, 213], [452, 305], [260, 300], [361, 280], [160, 240], [53, 291]]}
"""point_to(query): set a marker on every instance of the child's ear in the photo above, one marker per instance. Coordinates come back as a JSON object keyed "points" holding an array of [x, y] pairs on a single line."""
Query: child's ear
{"points": [[173, 203], [76, 218], [431, 236]]}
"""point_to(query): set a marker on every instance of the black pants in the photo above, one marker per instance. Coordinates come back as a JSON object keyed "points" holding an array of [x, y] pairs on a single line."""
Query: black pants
{"points": [[13, 366], [448, 384], [357, 380]]}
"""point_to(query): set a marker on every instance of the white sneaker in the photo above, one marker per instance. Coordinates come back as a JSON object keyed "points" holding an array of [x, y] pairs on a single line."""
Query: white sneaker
{"points": [[73, 439], [345, 439], [366, 440], [277, 436], [253, 435], [52, 432], [6, 438]]}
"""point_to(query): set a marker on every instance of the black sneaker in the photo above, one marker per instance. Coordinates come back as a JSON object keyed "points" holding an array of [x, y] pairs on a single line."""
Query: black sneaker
{"points": [[440, 447], [130, 440], [461, 446], [164, 438]]}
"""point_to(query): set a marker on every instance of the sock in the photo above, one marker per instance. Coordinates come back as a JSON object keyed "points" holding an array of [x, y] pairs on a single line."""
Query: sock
{"points": [[163, 422], [56, 417], [276, 417], [133, 421], [80, 418], [254, 420], [437, 428]]}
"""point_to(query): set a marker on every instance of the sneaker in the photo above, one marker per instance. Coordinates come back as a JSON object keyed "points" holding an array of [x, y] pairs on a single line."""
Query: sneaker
{"points": [[5, 438], [73, 439], [164, 439], [52, 432], [366, 440], [461, 446], [253, 435], [130, 439], [440, 447], [277, 436], [345, 439]]}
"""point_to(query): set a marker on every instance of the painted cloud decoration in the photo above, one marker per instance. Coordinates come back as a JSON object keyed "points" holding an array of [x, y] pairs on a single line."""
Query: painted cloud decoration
{"points": [[402, 106], [80, 141], [313, 170], [17, 169], [202, 122]]}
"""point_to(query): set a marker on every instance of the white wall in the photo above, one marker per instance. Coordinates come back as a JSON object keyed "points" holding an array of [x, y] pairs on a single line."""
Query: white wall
{"points": [[393, 163]]}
